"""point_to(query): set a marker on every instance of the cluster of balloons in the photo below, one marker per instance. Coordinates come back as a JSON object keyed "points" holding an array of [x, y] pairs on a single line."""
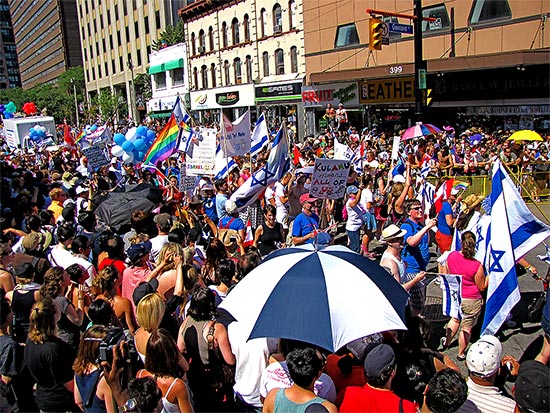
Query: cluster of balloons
{"points": [[133, 146], [29, 108], [8, 110], [88, 129], [37, 133]]}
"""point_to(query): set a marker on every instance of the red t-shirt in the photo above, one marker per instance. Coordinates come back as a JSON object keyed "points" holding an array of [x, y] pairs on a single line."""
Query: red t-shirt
{"points": [[368, 399]]}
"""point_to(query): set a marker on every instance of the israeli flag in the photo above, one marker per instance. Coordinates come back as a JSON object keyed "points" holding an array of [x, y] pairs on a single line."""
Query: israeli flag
{"points": [[223, 165], [180, 113], [503, 292], [260, 136], [277, 165], [342, 151], [451, 285]]}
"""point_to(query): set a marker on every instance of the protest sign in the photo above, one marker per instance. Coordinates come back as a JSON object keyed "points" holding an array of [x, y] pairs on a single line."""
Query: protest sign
{"points": [[329, 178], [203, 160], [236, 136], [96, 157], [187, 183], [395, 147]]}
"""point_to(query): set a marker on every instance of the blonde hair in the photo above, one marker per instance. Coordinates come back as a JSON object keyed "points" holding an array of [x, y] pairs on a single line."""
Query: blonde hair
{"points": [[169, 248], [55, 193], [105, 280], [150, 311], [42, 320]]}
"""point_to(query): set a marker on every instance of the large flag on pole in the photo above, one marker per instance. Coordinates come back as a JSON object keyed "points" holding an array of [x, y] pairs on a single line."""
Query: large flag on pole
{"points": [[165, 144], [179, 111], [260, 136], [503, 292], [277, 164]]}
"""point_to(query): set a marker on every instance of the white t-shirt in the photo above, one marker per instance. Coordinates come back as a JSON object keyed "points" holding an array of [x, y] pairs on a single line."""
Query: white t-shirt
{"points": [[355, 219], [61, 257], [282, 211], [366, 196], [277, 376], [156, 245], [269, 194]]}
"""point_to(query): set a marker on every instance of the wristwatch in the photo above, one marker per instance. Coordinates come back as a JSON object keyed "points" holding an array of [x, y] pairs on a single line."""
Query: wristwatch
{"points": [[129, 406]]}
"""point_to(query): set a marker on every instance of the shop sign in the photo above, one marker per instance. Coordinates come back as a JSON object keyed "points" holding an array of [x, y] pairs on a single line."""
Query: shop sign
{"points": [[321, 95], [227, 98], [392, 90], [276, 92], [509, 110]]}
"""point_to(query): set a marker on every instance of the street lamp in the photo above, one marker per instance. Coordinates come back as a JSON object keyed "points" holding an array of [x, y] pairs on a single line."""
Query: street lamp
{"points": [[132, 90], [75, 102]]}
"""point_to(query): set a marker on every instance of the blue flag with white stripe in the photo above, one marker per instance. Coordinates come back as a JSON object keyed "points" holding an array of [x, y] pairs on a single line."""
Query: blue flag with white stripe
{"points": [[260, 136], [180, 113], [451, 285], [503, 291]]}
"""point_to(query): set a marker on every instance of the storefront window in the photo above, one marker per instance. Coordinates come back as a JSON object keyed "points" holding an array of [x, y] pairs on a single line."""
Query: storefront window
{"points": [[277, 19], [265, 61], [294, 59], [438, 12], [487, 10], [280, 61], [346, 35]]}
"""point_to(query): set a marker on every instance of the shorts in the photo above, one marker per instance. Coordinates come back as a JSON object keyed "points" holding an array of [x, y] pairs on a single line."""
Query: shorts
{"points": [[443, 241], [369, 221], [471, 308], [417, 293]]}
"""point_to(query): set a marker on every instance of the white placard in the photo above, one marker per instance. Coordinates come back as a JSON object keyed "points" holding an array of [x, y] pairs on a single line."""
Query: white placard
{"points": [[395, 147], [329, 178], [204, 155]]}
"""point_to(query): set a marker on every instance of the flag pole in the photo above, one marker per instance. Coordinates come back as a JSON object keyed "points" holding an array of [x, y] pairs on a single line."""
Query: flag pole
{"points": [[222, 130]]}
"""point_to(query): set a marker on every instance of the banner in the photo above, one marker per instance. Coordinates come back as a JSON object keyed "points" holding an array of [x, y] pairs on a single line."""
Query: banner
{"points": [[329, 178], [96, 157], [236, 136], [204, 155], [342, 151]]}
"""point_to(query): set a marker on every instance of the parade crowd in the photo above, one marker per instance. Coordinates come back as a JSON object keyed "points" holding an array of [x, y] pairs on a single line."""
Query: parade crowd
{"points": [[103, 318]]}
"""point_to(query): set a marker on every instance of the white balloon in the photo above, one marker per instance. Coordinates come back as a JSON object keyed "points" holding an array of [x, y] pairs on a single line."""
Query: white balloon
{"points": [[42, 128], [128, 157], [131, 134], [117, 151]]}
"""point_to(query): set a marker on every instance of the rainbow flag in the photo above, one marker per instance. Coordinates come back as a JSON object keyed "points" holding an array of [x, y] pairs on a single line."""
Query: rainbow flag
{"points": [[460, 185], [80, 136], [165, 144]]}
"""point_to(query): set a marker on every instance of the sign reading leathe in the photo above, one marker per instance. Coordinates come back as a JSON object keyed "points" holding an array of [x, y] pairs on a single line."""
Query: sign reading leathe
{"points": [[329, 178], [394, 90], [204, 155]]}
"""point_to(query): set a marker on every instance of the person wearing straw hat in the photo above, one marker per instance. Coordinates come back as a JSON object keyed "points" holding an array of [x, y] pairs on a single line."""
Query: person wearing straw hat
{"points": [[469, 213]]}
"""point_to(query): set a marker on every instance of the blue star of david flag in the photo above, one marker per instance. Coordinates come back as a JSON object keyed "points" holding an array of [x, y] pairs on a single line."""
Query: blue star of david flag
{"points": [[503, 291], [277, 165], [451, 285]]}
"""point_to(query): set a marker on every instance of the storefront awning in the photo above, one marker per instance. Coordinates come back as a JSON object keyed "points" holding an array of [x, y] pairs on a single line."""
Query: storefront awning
{"points": [[157, 69], [174, 64], [164, 114]]}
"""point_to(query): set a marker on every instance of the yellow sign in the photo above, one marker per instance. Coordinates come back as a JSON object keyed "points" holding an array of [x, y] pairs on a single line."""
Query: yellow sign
{"points": [[393, 90]]}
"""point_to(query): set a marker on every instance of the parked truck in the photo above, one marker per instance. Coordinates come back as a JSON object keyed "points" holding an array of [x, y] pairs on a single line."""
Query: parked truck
{"points": [[16, 130]]}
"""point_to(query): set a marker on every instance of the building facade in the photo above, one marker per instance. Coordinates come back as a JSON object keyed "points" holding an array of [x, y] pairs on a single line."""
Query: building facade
{"points": [[117, 37], [47, 39], [482, 57], [246, 54], [9, 66]]}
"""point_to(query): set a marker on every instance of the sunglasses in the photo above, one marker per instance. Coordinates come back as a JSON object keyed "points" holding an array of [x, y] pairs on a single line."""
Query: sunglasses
{"points": [[416, 208]]}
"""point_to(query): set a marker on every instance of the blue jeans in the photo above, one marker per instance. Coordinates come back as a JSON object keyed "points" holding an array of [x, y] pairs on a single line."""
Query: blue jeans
{"points": [[354, 240]]}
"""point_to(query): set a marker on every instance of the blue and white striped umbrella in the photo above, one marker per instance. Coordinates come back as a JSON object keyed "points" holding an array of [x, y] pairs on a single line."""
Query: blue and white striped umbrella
{"points": [[327, 297]]}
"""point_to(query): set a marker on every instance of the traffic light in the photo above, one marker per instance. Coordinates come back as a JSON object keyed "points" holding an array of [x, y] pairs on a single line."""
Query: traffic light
{"points": [[428, 96], [376, 29]]}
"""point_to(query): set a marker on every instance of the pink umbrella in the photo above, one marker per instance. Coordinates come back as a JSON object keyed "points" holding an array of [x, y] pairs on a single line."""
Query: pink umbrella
{"points": [[419, 130]]}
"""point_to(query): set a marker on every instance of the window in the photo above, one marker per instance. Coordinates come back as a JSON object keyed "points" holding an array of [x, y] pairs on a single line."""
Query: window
{"points": [[293, 59], [136, 29], [235, 31], [279, 62], [127, 32], [111, 41], [238, 71], [438, 12], [277, 19], [118, 38], [204, 77], [226, 72], [211, 38], [113, 67], [346, 35], [146, 23], [202, 39], [213, 74], [177, 76], [487, 10], [246, 27], [195, 78], [248, 68], [265, 62], [193, 45], [263, 22], [106, 69], [292, 14], [109, 17], [160, 80], [157, 19], [116, 11], [224, 34], [120, 63], [139, 57]]}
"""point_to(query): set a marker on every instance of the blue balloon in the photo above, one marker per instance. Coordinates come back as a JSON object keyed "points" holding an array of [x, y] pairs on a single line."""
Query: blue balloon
{"points": [[93, 128], [8, 115], [32, 132], [119, 139], [141, 131], [151, 135], [128, 146], [140, 144], [139, 156]]}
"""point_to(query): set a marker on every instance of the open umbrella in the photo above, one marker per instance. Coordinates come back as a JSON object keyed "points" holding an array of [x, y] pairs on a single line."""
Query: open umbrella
{"points": [[525, 135], [419, 130], [328, 297]]}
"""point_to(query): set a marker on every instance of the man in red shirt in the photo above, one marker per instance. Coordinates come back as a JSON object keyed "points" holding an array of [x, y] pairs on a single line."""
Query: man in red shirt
{"points": [[376, 396]]}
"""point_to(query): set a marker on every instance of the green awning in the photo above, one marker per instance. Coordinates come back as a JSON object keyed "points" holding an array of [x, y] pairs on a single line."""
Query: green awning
{"points": [[160, 114], [157, 69], [174, 64]]}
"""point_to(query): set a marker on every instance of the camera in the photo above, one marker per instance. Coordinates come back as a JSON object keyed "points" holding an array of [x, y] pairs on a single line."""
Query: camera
{"points": [[113, 337]]}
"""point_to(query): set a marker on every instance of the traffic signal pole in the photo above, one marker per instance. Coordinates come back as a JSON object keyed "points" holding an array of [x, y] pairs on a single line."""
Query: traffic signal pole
{"points": [[418, 59]]}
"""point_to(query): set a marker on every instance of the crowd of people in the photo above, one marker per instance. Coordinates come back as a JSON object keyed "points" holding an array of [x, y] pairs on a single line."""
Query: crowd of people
{"points": [[100, 318]]}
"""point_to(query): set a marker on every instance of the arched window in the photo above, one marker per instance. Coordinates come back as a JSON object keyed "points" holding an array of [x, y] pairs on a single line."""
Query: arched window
{"points": [[293, 59], [265, 62], [193, 45], [196, 78], [204, 77], [279, 62], [213, 74], [211, 38], [237, 71], [224, 34], [226, 72], [248, 68], [246, 27], [277, 19], [292, 14], [202, 41], [235, 31], [263, 22]]}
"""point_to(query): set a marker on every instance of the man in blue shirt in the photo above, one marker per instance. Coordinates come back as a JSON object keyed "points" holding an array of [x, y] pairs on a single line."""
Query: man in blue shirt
{"points": [[221, 197], [416, 253], [208, 201], [445, 222], [306, 223]]}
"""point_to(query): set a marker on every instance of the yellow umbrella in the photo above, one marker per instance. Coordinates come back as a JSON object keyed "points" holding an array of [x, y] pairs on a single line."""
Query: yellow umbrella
{"points": [[525, 135]]}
